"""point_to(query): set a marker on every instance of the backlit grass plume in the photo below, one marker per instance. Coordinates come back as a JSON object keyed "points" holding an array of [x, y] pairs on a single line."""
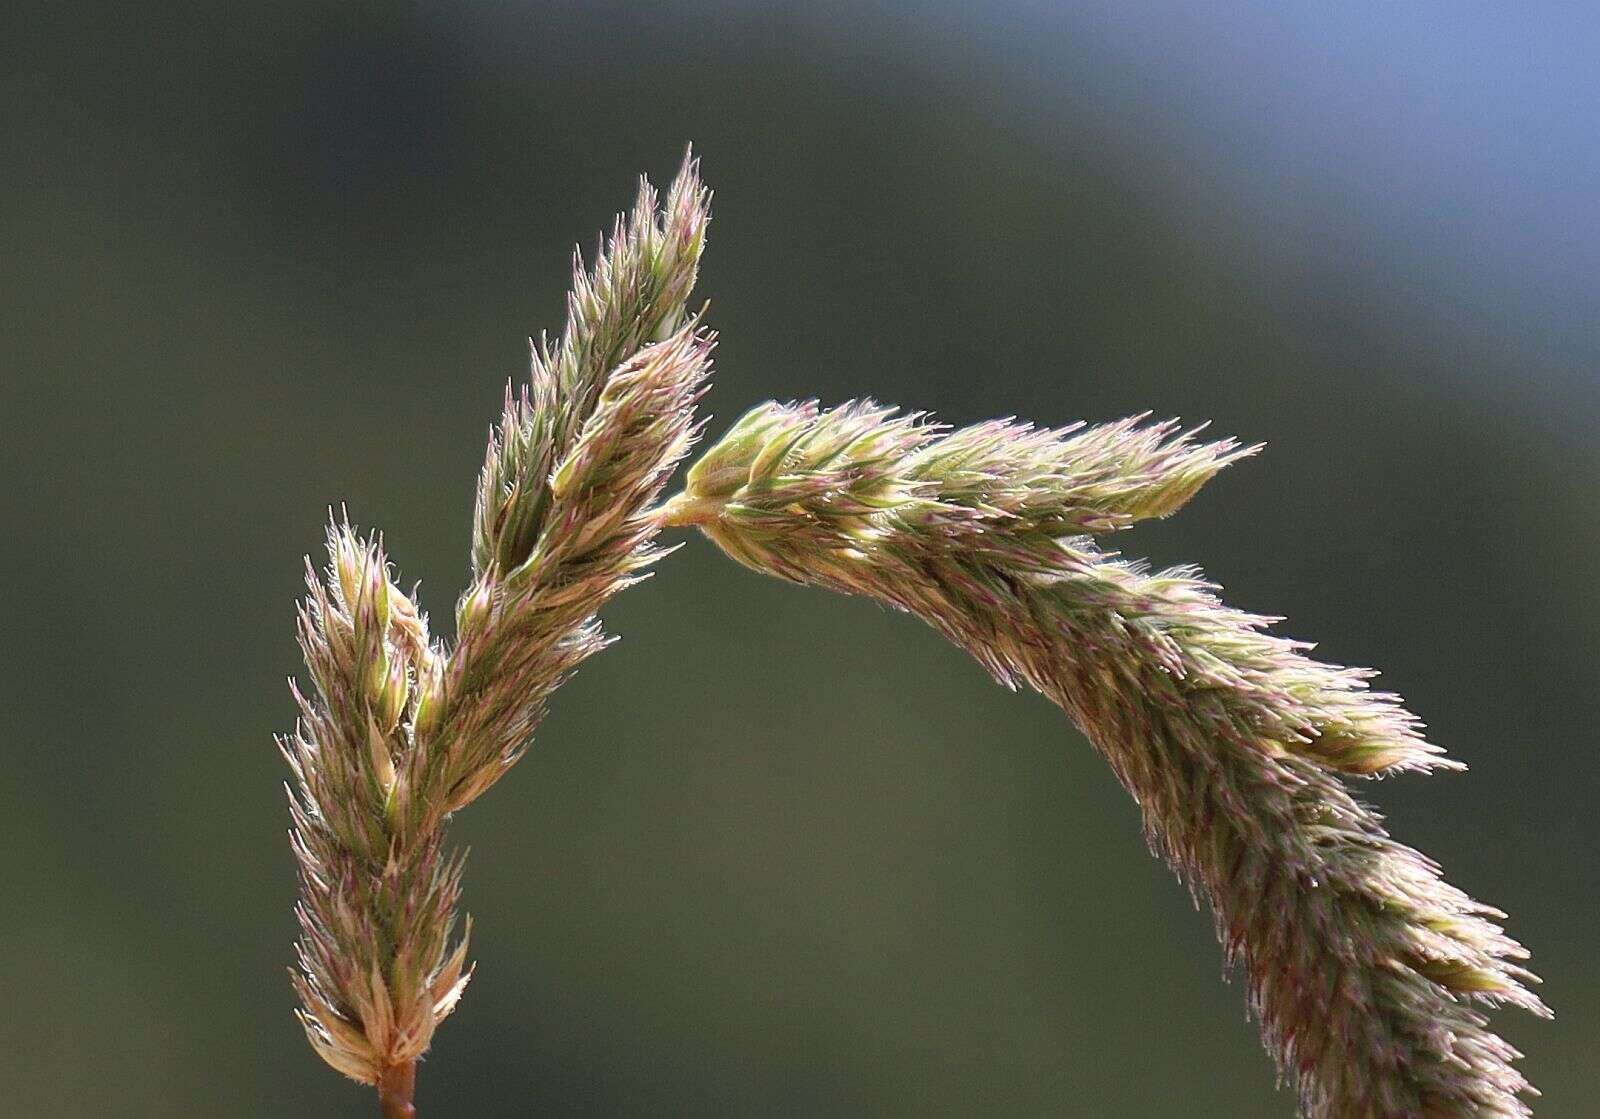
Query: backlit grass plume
{"points": [[1367, 971], [397, 730]]}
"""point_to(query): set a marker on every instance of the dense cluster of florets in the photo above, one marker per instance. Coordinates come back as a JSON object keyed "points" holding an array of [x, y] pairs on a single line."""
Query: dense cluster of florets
{"points": [[400, 731], [1368, 972], [1366, 969]]}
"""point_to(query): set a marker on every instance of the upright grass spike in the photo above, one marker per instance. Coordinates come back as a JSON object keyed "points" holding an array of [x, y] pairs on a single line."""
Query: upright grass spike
{"points": [[636, 293], [1366, 969], [377, 894], [398, 731]]}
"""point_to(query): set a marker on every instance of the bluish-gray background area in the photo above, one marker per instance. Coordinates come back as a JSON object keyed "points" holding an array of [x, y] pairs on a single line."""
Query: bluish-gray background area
{"points": [[777, 852]]}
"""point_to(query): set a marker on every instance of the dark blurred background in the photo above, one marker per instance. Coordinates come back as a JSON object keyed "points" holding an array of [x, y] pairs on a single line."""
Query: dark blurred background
{"points": [[777, 853]]}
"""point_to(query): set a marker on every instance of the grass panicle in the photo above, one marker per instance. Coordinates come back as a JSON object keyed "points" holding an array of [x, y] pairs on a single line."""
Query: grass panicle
{"points": [[1367, 971], [398, 730], [1369, 974]]}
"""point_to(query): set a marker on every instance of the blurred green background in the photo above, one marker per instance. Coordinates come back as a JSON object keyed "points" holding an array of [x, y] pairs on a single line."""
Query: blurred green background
{"points": [[776, 853]]}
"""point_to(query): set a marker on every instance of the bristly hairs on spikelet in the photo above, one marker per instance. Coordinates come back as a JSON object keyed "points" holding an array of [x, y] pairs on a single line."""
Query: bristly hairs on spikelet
{"points": [[1366, 968], [398, 730]]}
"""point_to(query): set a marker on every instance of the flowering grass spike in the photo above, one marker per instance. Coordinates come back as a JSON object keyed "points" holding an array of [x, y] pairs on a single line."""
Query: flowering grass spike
{"points": [[1367, 970], [1369, 973], [398, 730]]}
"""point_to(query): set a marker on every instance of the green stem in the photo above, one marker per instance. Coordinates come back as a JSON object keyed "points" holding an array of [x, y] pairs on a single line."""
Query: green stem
{"points": [[396, 1086]]}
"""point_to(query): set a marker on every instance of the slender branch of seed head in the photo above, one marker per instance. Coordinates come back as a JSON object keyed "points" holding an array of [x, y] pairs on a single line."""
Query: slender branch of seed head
{"points": [[1366, 969], [377, 894], [398, 730]]}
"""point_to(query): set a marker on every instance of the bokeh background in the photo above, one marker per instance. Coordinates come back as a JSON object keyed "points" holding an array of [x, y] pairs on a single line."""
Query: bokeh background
{"points": [[776, 853]]}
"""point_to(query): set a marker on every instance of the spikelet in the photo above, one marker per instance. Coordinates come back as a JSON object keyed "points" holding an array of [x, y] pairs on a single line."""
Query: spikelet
{"points": [[1366, 969]]}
